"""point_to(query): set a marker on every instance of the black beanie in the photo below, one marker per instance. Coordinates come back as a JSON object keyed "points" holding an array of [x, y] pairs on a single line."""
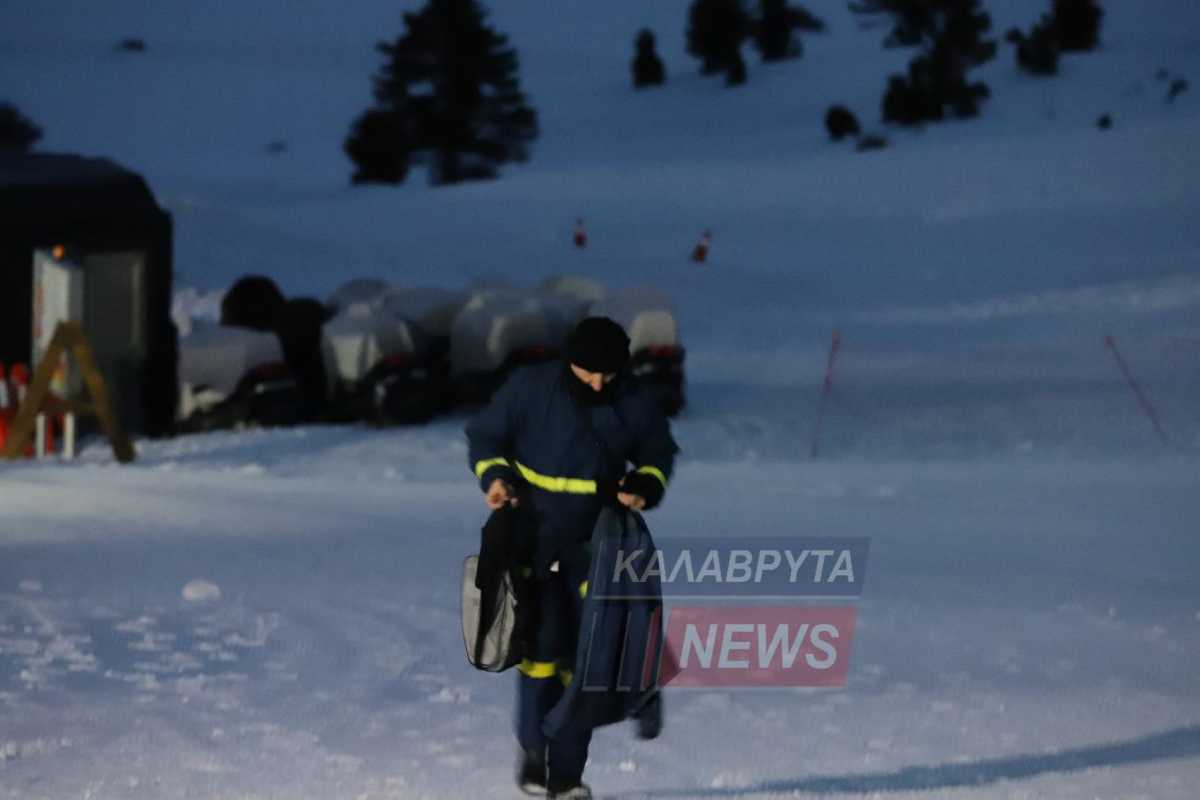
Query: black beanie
{"points": [[598, 344]]}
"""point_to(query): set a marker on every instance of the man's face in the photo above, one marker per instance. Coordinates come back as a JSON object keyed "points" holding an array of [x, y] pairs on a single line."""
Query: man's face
{"points": [[596, 380]]}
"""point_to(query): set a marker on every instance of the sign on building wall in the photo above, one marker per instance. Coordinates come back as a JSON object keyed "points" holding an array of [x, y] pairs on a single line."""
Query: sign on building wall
{"points": [[57, 297]]}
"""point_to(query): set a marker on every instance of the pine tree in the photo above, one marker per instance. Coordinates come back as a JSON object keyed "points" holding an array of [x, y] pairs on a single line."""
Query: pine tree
{"points": [[773, 31], [1077, 24], [1070, 25], [648, 69], [840, 122], [950, 33], [715, 34], [735, 75], [380, 147], [911, 19], [805, 20], [1037, 51], [449, 92], [17, 132]]}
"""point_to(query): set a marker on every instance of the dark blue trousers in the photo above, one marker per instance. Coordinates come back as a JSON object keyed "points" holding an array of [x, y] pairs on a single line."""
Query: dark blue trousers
{"points": [[544, 674]]}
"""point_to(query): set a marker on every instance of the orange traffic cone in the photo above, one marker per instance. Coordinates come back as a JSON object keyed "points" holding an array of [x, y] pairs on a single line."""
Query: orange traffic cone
{"points": [[580, 234], [700, 254], [11, 398]]}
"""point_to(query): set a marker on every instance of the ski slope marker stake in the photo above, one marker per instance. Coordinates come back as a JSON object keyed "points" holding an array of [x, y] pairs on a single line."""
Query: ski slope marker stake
{"points": [[1143, 400], [826, 387]]}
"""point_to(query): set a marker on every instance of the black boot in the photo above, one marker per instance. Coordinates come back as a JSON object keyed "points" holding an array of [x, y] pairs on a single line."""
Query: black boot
{"points": [[566, 758], [531, 772], [649, 718], [576, 791]]}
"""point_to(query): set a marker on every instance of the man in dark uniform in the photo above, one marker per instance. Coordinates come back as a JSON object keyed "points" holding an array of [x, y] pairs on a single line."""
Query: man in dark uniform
{"points": [[557, 440]]}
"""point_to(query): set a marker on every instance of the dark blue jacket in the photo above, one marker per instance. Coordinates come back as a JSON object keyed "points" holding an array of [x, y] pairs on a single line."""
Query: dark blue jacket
{"points": [[560, 454], [620, 646]]}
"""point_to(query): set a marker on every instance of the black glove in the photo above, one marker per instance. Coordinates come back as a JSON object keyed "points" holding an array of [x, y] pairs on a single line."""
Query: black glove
{"points": [[606, 490], [647, 487]]}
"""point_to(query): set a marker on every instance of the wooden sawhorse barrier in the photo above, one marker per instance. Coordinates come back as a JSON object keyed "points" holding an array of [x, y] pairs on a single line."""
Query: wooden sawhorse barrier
{"points": [[70, 339]]}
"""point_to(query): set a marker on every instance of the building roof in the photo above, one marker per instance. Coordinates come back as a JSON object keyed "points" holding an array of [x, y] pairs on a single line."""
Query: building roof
{"points": [[47, 190]]}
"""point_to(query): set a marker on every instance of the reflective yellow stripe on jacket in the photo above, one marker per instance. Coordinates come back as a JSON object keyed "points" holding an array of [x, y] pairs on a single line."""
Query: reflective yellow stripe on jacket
{"points": [[556, 483], [656, 472], [537, 669], [544, 669], [551, 483], [487, 463]]}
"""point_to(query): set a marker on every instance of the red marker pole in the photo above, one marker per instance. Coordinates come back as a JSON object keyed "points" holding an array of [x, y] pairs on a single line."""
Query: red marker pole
{"points": [[700, 252], [1143, 400], [826, 387]]}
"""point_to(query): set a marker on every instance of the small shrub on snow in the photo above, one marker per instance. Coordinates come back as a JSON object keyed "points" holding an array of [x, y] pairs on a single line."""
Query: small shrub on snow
{"points": [[840, 122], [1178, 87], [648, 69]]}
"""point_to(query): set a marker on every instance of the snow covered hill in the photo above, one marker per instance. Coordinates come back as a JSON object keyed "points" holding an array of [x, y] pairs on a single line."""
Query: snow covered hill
{"points": [[1001, 247], [1033, 621]]}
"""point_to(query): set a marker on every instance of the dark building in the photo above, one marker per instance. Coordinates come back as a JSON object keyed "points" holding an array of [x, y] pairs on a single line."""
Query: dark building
{"points": [[103, 219]]}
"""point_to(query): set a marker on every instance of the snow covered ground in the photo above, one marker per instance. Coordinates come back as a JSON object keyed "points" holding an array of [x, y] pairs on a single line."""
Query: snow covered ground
{"points": [[1030, 629], [273, 614]]}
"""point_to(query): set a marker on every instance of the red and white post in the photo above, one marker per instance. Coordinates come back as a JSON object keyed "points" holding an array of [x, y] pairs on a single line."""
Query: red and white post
{"points": [[700, 251]]}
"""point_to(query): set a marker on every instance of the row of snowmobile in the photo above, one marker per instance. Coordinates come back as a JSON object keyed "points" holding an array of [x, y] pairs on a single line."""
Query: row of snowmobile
{"points": [[392, 355]]}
